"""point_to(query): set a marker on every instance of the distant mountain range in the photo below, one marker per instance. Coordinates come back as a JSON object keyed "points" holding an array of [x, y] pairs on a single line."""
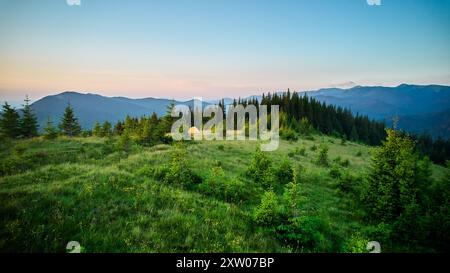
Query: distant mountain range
{"points": [[90, 108], [419, 108]]}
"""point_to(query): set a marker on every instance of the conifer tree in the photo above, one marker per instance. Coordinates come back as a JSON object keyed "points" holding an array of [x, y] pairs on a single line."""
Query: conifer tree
{"points": [[97, 130], [9, 122], [106, 130], [393, 181], [28, 122], [69, 123]]}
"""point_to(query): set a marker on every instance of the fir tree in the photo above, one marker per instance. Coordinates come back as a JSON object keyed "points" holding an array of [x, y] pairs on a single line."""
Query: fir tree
{"points": [[69, 124], [97, 130], [28, 122], [106, 129], [9, 122]]}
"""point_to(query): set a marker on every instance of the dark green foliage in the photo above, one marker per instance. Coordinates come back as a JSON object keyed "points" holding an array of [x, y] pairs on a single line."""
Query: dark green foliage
{"points": [[392, 183], [359, 153], [97, 130], [335, 172], [347, 183], [288, 134], [305, 233], [401, 194], [268, 211], [260, 169], [305, 114], [69, 125], [302, 151], [178, 171], [28, 122], [50, 131], [9, 122], [322, 159], [224, 188], [106, 129], [345, 163], [284, 173], [125, 143]]}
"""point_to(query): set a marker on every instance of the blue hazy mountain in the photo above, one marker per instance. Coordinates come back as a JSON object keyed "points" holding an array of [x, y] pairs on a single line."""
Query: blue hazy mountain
{"points": [[419, 108], [90, 108]]}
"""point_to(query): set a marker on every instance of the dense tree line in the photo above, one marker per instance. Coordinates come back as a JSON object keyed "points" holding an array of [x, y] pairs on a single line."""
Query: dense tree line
{"points": [[302, 114], [327, 119], [299, 115]]}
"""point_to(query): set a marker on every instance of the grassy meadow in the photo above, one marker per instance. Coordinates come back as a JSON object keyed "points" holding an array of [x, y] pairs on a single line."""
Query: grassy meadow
{"points": [[86, 190]]}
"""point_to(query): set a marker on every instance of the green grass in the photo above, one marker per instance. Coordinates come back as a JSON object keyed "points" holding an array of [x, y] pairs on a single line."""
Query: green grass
{"points": [[84, 190]]}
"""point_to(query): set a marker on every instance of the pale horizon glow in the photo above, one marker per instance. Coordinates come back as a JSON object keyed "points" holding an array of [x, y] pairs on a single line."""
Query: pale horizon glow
{"points": [[222, 48]]}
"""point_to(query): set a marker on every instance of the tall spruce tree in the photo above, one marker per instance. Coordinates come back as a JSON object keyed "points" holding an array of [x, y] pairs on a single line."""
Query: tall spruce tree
{"points": [[69, 123], [28, 122], [9, 122], [393, 182]]}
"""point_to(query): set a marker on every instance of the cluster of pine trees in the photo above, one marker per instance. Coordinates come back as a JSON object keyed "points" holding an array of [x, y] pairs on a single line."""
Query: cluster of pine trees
{"points": [[302, 114], [24, 124], [13, 125]]}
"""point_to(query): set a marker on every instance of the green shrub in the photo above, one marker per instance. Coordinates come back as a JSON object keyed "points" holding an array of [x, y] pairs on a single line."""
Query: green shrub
{"points": [[322, 160], [305, 234], [178, 171], [221, 147], [302, 151], [359, 154], [222, 187], [346, 182], [288, 134], [284, 173], [335, 172], [268, 210], [345, 163], [260, 169], [356, 244], [314, 148]]}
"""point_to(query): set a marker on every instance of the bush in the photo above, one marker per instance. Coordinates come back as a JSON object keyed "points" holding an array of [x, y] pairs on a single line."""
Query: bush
{"points": [[284, 173], [314, 148], [356, 244], [221, 147], [335, 172], [268, 211], [305, 234], [219, 185], [288, 134], [178, 171], [345, 163], [260, 169], [359, 153], [322, 160], [346, 182], [302, 151]]}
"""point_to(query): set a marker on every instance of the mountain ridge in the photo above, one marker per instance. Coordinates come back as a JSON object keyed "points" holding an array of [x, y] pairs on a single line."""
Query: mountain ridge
{"points": [[420, 107]]}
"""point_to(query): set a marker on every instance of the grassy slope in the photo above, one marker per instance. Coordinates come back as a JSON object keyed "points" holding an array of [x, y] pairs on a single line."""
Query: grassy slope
{"points": [[83, 190]]}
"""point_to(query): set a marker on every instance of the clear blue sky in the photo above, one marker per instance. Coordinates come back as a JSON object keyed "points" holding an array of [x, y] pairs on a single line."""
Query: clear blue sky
{"points": [[214, 48]]}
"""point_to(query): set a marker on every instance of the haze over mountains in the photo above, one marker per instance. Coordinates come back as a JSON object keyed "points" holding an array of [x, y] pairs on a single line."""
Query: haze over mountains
{"points": [[419, 108]]}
